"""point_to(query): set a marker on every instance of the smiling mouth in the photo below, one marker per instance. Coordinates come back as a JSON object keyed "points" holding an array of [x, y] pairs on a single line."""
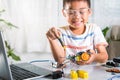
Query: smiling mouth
{"points": [[77, 23]]}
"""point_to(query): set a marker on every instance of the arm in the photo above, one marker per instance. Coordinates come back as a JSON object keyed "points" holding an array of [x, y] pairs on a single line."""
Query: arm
{"points": [[100, 44], [57, 50], [101, 56]]}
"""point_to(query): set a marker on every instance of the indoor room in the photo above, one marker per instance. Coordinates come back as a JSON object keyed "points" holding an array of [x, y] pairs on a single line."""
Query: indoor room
{"points": [[25, 27]]}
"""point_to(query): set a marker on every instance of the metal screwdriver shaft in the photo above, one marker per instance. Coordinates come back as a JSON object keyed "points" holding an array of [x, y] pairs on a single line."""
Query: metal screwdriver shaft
{"points": [[61, 42]]}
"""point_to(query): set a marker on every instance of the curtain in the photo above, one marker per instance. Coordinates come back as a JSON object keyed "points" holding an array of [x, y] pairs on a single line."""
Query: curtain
{"points": [[35, 17]]}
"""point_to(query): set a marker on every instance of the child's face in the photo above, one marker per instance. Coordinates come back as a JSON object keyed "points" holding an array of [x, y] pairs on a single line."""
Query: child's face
{"points": [[77, 13]]}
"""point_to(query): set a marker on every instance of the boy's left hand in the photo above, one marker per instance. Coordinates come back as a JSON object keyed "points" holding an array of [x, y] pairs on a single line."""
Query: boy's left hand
{"points": [[91, 59]]}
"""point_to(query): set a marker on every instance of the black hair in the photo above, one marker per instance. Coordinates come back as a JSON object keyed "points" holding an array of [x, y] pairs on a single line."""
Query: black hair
{"points": [[69, 1]]}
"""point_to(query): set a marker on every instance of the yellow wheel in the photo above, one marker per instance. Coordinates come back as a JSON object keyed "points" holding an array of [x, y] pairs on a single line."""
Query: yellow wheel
{"points": [[85, 56]]}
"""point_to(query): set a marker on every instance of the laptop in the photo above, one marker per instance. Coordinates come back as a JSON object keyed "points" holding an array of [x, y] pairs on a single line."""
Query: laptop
{"points": [[18, 71]]}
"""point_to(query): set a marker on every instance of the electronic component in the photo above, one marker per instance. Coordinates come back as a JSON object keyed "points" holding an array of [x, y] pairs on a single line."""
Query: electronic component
{"points": [[73, 74], [84, 56], [82, 74]]}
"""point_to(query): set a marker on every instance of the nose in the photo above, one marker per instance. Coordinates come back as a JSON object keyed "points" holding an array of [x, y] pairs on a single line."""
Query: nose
{"points": [[77, 14]]}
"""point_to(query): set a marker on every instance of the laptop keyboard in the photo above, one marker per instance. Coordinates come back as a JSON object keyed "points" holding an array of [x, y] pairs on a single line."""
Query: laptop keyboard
{"points": [[20, 74]]}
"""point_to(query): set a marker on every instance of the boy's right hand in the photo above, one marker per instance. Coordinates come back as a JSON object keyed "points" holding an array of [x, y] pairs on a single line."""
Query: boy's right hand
{"points": [[53, 33]]}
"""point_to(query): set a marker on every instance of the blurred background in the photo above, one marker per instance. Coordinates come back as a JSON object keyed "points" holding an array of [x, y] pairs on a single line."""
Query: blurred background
{"points": [[34, 17]]}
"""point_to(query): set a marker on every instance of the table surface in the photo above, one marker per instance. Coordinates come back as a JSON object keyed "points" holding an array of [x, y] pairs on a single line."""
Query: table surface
{"points": [[95, 71]]}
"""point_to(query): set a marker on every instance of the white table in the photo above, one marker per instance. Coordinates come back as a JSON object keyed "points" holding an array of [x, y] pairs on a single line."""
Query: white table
{"points": [[95, 71]]}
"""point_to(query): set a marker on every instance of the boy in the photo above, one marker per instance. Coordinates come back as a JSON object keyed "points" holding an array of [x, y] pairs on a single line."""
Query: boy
{"points": [[79, 35]]}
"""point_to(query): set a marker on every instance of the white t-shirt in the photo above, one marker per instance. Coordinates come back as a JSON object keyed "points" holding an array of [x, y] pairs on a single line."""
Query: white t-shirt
{"points": [[90, 39]]}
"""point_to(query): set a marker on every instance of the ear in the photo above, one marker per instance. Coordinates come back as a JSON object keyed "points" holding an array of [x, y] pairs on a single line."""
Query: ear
{"points": [[64, 14], [90, 12]]}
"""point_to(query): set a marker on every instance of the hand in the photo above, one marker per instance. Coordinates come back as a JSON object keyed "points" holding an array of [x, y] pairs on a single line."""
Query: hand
{"points": [[53, 33], [91, 59]]}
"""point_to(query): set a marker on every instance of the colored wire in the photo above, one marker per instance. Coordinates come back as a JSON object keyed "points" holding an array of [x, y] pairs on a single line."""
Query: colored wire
{"points": [[40, 61], [116, 76], [54, 64]]}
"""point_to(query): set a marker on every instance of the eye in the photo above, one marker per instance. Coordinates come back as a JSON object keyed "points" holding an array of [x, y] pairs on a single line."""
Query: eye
{"points": [[71, 12], [81, 12]]}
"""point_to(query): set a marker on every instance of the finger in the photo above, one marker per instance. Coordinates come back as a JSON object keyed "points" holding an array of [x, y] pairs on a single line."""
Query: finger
{"points": [[92, 51], [92, 57], [50, 34], [88, 62], [80, 63], [56, 32]]}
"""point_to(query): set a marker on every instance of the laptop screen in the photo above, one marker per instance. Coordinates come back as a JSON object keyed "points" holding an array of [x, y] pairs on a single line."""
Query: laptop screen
{"points": [[5, 73]]}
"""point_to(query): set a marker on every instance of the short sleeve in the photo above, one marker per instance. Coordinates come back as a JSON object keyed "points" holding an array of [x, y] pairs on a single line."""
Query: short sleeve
{"points": [[99, 38]]}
